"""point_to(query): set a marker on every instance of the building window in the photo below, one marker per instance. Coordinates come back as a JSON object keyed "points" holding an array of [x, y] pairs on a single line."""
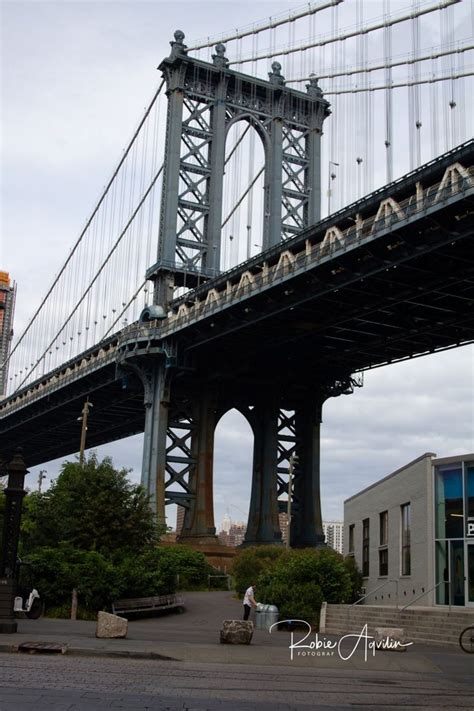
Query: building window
{"points": [[449, 503], [383, 542], [351, 538], [383, 562], [383, 521], [405, 539], [365, 547], [470, 501]]}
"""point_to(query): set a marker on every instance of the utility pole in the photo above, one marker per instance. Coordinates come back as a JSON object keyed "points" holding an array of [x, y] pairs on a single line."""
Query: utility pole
{"points": [[83, 419]]}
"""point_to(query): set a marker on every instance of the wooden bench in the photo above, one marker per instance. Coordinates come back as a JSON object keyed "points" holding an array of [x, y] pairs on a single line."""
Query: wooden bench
{"points": [[148, 604]]}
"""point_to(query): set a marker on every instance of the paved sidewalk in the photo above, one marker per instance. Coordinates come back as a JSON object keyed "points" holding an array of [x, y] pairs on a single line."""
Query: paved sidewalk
{"points": [[194, 637]]}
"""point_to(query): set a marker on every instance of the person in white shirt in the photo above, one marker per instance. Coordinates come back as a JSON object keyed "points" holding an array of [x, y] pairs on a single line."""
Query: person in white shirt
{"points": [[249, 600]]}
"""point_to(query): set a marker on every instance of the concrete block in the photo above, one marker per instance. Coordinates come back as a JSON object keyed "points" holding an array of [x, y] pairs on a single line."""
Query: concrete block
{"points": [[111, 626], [390, 639], [236, 632]]}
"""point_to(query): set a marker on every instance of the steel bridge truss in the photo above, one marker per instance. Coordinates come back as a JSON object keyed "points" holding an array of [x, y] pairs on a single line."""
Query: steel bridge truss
{"points": [[204, 101]]}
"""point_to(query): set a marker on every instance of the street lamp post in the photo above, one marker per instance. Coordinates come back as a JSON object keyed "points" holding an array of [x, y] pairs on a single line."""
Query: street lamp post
{"points": [[83, 419], [41, 476], [14, 494], [331, 176]]}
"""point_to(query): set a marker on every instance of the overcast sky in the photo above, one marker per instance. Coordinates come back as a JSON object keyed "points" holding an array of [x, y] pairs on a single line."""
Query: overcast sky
{"points": [[76, 77]]}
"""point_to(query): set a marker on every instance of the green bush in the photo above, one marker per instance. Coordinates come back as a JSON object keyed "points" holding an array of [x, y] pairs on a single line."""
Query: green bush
{"points": [[296, 581], [156, 571], [56, 571], [355, 576], [251, 562], [98, 581]]}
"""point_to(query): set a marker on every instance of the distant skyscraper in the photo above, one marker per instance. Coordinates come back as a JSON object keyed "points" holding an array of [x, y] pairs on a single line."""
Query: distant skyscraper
{"points": [[226, 522], [7, 307], [234, 536], [333, 530]]}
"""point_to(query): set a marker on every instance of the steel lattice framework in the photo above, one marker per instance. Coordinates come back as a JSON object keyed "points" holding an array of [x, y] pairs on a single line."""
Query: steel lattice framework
{"points": [[205, 101]]}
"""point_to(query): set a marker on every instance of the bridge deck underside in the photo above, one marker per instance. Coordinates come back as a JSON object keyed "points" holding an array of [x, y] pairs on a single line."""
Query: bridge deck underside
{"points": [[403, 295], [364, 308]]}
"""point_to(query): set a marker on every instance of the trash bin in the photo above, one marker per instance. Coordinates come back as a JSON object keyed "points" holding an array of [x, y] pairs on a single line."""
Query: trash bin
{"points": [[265, 616], [272, 615], [260, 614]]}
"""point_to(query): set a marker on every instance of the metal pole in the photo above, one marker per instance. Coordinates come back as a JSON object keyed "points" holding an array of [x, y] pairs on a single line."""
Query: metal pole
{"points": [[41, 476], [290, 492], [14, 493], [331, 176]]}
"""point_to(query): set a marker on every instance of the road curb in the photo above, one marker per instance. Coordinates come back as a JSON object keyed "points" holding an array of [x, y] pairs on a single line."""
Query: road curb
{"points": [[81, 652], [84, 652]]}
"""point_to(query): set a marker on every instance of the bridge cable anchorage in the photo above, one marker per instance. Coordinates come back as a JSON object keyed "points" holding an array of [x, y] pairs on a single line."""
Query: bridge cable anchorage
{"points": [[333, 74], [270, 25], [89, 221], [281, 51]]}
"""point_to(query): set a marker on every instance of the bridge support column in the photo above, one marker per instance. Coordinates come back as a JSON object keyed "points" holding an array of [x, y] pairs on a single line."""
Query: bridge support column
{"points": [[273, 180], [198, 526], [263, 524], [306, 520], [154, 444]]}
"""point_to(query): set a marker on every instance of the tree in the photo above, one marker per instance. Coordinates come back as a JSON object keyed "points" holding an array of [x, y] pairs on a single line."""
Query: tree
{"points": [[92, 508]]}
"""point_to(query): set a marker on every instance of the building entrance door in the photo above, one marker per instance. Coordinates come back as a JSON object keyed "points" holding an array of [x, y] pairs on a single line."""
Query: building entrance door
{"points": [[470, 573]]}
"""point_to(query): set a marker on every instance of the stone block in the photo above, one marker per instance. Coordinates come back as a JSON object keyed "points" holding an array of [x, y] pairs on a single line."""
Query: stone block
{"points": [[391, 639], [111, 626], [236, 632]]}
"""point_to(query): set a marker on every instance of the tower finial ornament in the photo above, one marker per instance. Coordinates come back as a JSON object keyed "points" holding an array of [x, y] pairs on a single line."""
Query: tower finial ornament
{"points": [[275, 75], [178, 47], [313, 87], [219, 59]]}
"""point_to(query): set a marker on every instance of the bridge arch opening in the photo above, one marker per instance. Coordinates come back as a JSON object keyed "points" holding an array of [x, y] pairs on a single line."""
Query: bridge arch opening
{"points": [[243, 194], [233, 458]]}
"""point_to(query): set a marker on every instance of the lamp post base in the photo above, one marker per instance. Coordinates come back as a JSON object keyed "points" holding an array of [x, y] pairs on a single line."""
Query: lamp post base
{"points": [[8, 624]]}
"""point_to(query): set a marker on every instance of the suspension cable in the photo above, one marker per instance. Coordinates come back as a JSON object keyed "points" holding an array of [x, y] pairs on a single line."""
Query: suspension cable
{"points": [[397, 85], [387, 65], [89, 221], [349, 35], [242, 197], [270, 25], [99, 271]]}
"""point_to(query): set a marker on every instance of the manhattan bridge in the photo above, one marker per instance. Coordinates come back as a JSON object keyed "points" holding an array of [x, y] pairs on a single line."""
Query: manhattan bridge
{"points": [[294, 208]]}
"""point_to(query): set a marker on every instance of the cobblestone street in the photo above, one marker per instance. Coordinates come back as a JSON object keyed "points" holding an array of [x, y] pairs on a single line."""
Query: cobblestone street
{"points": [[39, 683]]}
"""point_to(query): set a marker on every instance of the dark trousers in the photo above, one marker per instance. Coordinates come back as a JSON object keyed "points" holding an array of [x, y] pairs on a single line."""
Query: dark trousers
{"points": [[247, 609]]}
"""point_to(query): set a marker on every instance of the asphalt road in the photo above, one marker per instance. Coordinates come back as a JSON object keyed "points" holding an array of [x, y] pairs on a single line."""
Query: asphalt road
{"points": [[57, 683], [207, 675]]}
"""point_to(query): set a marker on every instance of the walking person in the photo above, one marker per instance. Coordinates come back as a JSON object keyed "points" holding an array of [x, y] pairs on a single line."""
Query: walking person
{"points": [[249, 600]]}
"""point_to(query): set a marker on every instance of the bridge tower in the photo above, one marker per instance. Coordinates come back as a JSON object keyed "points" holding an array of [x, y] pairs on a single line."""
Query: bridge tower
{"points": [[204, 101]]}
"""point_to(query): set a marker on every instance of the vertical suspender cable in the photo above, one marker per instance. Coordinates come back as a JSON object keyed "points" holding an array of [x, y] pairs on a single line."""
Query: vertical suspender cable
{"points": [[387, 41]]}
